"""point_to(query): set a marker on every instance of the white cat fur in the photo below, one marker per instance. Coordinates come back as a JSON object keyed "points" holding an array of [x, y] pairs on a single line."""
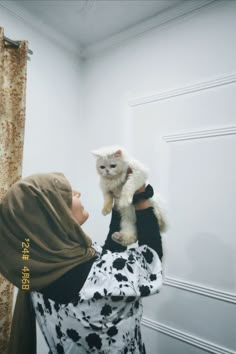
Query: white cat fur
{"points": [[118, 189]]}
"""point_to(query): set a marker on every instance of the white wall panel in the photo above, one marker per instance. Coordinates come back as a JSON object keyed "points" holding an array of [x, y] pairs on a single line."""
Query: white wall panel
{"points": [[164, 339], [158, 343], [192, 162], [197, 315], [201, 182]]}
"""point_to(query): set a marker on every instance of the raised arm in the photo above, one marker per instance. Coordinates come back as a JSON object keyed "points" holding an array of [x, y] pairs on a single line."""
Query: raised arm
{"points": [[147, 224]]}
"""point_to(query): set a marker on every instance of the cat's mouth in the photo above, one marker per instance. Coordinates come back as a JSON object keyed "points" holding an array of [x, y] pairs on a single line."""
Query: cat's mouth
{"points": [[108, 175]]}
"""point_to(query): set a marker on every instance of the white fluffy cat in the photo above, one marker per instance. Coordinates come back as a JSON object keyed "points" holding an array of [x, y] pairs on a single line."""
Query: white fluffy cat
{"points": [[120, 177]]}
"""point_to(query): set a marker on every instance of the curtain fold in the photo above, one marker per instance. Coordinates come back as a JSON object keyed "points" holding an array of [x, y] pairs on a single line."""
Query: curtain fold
{"points": [[13, 68]]}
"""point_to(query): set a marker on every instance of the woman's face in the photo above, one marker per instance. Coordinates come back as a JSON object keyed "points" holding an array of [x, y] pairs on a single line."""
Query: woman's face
{"points": [[78, 211]]}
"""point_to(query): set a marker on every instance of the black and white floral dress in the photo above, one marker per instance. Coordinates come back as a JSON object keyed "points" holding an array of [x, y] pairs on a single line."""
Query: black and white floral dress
{"points": [[105, 317]]}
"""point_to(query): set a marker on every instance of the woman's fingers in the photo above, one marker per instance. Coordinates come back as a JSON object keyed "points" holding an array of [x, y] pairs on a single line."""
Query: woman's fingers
{"points": [[140, 190]]}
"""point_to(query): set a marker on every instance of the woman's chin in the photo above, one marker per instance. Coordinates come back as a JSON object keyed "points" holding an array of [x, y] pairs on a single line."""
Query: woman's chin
{"points": [[85, 217]]}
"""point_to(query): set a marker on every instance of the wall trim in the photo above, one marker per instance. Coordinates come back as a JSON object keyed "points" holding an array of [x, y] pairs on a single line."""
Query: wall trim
{"points": [[43, 29], [164, 18], [208, 133], [204, 85], [186, 337], [200, 289], [185, 285]]}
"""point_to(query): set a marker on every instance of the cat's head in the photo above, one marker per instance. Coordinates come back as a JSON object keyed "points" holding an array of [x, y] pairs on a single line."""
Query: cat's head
{"points": [[110, 161]]}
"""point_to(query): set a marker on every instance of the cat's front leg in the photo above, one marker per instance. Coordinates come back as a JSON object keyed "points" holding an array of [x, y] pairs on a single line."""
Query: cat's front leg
{"points": [[135, 181], [127, 234], [125, 201], [127, 194], [108, 203], [126, 197]]}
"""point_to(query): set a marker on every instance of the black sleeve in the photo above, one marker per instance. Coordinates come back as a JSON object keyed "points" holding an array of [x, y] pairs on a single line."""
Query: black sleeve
{"points": [[114, 226], [148, 230], [66, 288]]}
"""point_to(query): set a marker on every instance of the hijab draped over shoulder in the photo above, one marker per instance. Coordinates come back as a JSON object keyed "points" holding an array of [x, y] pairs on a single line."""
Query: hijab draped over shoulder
{"points": [[38, 231]]}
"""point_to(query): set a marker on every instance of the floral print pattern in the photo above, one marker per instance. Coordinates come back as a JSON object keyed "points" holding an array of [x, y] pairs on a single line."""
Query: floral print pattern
{"points": [[13, 64], [105, 316]]}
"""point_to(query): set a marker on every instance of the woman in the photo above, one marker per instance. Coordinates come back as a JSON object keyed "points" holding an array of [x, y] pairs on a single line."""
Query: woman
{"points": [[87, 299]]}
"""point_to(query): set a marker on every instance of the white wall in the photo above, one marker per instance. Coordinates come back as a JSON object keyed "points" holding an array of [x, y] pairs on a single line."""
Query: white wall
{"points": [[198, 49], [195, 48]]}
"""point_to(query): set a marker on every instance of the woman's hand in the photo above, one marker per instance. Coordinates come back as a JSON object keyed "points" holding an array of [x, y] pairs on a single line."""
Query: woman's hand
{"points": [[140, 190], [142, 203]]}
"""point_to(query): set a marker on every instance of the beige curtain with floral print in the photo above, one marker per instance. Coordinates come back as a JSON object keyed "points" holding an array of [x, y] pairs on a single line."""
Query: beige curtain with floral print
{"points": [[13, 64]]}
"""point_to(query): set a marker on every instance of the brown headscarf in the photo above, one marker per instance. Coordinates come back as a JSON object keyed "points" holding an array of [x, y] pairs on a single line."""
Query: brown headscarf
{"points": [[38, 209]]}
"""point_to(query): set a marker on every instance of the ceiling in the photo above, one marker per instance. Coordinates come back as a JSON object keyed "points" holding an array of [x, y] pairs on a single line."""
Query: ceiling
{"points": [[86, 22]]}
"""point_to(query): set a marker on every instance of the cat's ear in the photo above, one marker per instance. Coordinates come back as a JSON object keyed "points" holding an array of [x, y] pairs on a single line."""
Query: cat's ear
{"points": [[95, 153], [118, 153]]}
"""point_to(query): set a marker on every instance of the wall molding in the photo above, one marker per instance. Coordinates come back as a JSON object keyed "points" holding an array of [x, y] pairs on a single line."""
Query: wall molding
{"points": [[164, 18], [84, 52], [201, 134], [200, 289], [188, 89], [40, 27], [186, 337], [185, 285]]}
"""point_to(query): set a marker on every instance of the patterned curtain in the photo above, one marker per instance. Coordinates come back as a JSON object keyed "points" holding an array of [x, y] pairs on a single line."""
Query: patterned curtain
{"points": [[13, 64]]}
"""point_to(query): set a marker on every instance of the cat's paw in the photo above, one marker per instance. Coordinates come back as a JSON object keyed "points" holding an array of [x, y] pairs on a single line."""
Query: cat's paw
{"points": [[106, 210], [118, 237], [124, 238], [125, 201]]}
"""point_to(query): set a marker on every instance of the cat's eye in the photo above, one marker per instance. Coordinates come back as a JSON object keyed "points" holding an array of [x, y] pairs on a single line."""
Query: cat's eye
{"points": [[102, 167], [112, 166]]}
